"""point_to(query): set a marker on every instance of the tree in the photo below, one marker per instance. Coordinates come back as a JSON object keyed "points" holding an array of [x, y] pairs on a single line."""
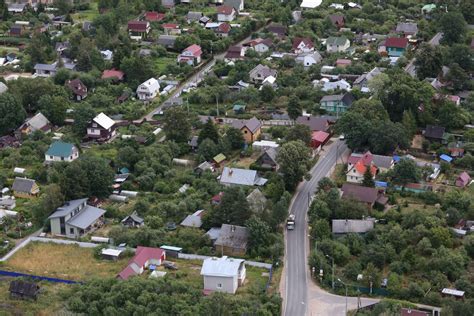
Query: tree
{"points": [[267, 94], [371, 109], [355, 128], [176, 125], [294, 107], [409, 124], [51, 199], [82, 116], [12, 113], [462, 55], [127, 157], [293, 158], [457, 76], [137, 70], [207, 149], [259, 234], [54, 108], [299, 132], [406, 171], [387, 136], [235, 138], [209, 131], [368, 180], [233, 209], [454, 27], [429, 61], [452, 116]]}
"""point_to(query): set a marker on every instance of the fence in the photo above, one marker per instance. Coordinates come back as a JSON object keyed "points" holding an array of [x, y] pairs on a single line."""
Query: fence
{"points": [[36, 277], [375, 291], [188, 256]]}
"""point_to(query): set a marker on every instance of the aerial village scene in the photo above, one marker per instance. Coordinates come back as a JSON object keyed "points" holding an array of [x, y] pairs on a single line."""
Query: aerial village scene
{"points": [[237, 157]]}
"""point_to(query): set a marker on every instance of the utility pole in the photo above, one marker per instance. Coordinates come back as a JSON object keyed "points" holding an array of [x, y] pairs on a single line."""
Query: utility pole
{"points": [[332, 259], [217, 104]]}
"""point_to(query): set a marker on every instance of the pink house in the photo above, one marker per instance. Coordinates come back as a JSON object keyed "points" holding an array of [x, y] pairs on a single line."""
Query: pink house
{"points": [[191, 55], [463, 180], [144, 256]]}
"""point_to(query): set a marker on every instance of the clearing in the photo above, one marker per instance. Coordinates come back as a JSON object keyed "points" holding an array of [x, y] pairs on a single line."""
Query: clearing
{"points": [[69, 262]]}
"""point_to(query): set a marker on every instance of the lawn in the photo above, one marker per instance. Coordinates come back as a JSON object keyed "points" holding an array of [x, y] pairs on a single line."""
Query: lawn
{"points": [[86, 15], [69, 262], [49, 300], [162, 62]]}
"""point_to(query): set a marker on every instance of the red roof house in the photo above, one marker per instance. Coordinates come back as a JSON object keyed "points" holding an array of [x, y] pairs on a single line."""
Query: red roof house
{"points": [[113, 74], [302, 45], [463, 180], [152, 16], [225, 13], [144, 256], [398, 42], [342, 62], [223, 29], [142, 27], [171, 28], [191, 55], [319, 138]]}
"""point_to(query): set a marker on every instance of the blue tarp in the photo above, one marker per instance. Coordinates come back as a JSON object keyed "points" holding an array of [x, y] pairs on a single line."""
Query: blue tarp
{"points": [[396, 158], [446, 158], [381, 184], [124, 170]]}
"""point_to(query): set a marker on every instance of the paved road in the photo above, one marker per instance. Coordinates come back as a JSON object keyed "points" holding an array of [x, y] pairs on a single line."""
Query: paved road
{"points": [[296, 269]]}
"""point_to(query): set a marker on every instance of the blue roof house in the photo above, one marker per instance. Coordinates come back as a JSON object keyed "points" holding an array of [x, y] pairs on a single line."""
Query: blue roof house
{"points": [[61, 151]]}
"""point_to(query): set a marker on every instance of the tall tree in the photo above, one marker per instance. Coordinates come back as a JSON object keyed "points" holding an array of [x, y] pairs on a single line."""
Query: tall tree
{"points": [[209, 131], [453, 26], [235, 138], [429, 61], [294, 160], [176, 125], [12, 113], [82, 116], [368, 180], [406, 171], [294, 107], [234, 208], [299, 132]]}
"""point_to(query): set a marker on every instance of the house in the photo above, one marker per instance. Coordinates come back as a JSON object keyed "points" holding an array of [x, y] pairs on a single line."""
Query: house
{"points": [[111, 254], [268, 159], [260, 73], [315, 123], [327, 85], [113, 74], [338, 103], [213, 233], [17, 30], [148, 90], [75, 219], [144, 257], [152, 16], [235, 52], [396, 46], [239, 108], [171, 29], [236, 176], [277, 30], [238, 5], [191, 55], [194, 142], [343, 62], [407, 29], [193, 220], [39, 122], [308, 59], [232, 240], [133, 220], [357, 165], [168, 3], [7, 203], [337, 44], [302, 45], [101, 128], [365, 195], [434, 133], [352, 226], [362, 82], [60, 151], [257, 201], [251, 129], [139, 28], [319, 139], [223, 274], [226, 13], [78, 89], [216, 199], [167, 41], [23, 289], [25, 188], [310, 4], [17, 8], [45, 70], [107, 54], [259, 45], [463, 180], [413, 312], [337, 20], [193, 16], [452, 292], [62, 47]]}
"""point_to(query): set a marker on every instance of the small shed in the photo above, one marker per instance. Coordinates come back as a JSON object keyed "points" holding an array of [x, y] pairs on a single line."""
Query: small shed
{"points": [[172, 251], [463, 180], [446, 158], [23, 290], [453, 292], [239, 108], [220, 158], [111, 254]]}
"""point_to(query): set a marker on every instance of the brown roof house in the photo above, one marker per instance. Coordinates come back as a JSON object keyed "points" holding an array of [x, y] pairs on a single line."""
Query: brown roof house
{"points": [[226, 13], [434, 133], [79, 90], [366, 195], [463, 180], [232, 240], [251, 129], [315, 123], [277, 29], [139, 28], [235, 52], [337, 20], [260, 73], [25, 188]]}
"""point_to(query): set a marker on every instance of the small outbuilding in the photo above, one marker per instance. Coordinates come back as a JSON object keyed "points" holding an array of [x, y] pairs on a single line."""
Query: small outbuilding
{"points": [[463, 180], [133, 220], [23, 290], [111, 254]]}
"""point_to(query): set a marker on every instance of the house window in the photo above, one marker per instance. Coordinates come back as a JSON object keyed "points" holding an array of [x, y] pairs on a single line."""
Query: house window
{"points": [[50, 157], [92, 130], [219, 285], [62, 158], [71, 231]]}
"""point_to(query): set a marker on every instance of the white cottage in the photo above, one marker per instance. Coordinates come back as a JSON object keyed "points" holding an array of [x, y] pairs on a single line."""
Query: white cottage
{"points": [[148, 90], [223, 274]]}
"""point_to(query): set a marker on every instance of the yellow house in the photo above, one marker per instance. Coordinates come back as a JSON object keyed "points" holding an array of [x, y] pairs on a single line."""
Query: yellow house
{"points": [[251, 129], [25, 188]]}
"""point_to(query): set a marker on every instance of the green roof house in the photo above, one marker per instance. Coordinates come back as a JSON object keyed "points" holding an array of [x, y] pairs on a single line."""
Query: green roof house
{"points": [[61, 151], [239, 108], [337, 44]]}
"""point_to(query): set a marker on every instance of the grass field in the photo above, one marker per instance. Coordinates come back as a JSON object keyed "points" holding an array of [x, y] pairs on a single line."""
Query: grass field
{"points": [[162, 62], [69, 262]]}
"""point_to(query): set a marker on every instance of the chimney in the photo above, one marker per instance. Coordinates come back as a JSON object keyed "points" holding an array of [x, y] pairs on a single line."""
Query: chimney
{"points": [[230, 172], [232, 228]]}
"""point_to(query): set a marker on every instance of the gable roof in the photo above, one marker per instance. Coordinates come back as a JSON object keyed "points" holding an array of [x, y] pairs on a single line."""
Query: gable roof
{"points": [[382, 161], [264, 71], [194, 49], [359, 193], [315, 123], [223, 28], [225, 9], [142, 255], [167, 40], [407, 27], [134, 216], [239, 176], [38, 122], [104, 121], [138, 26], [233, 236], [236, 4], [193, 220], [234, 52], [23, 185], [221, 267], [298, 40], [86, 217], [154, 16], [193, 16], [311, 4], [277, 29], [170, 26], [60, 149], [433, 131], [252, 125], [336, 41], [344, 226], [113, 73], [397, 42], [336, 19], [77, 87], [67, 208]]}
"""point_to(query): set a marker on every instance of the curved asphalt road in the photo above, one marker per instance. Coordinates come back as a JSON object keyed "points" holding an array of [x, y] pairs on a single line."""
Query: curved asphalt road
{"points": [[296, 267]]}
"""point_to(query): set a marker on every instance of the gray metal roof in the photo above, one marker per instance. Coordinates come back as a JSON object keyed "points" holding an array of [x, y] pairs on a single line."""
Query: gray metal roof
{"points": [[86, 217], [382, 161], [407, 27], [214, 233], [167, 40], [233, 236], [344, 226], [264, 71], [193, 220], [67, 208], [221, 267], [134, 216], [46, 67], [334, 97], [240, 177], [23, 185]]}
